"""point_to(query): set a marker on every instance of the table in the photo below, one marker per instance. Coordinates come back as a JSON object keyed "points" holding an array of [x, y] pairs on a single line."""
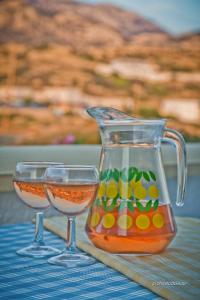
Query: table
{"points": [[29, 278]]}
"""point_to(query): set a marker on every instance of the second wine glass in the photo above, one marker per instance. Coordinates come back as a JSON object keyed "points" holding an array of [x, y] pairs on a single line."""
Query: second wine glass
{"points": [[71, 189]]}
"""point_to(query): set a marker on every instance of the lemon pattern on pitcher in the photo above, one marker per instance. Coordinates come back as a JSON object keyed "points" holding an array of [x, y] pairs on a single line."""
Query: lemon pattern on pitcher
{"points": [[95, 219], [101, 190], [153, 191], [142, 222], [126, 222], [108, 220], [111, 190], [128, 189], [118, 186], [124, 190], [140, 192]]}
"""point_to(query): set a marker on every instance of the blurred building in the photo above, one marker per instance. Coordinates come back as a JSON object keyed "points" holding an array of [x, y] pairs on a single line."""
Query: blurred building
{"points": [[187, 110]]}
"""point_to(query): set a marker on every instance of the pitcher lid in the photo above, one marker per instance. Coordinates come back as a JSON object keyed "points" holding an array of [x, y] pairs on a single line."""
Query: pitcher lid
{"points": [[135, 121]]}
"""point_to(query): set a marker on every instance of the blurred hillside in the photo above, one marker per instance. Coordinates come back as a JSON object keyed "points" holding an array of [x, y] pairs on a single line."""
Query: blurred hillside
{"points": [[70, 23], [59, 57]]}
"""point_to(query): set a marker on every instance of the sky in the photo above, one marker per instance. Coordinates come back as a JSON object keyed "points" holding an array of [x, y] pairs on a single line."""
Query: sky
{"points": [[175, 16]]}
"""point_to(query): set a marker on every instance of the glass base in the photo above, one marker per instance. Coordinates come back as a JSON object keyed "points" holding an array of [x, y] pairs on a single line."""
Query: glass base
{"points": [[38, 251], [72, 259]]}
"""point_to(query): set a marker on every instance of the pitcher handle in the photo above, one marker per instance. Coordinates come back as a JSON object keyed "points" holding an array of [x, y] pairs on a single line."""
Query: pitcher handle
{"points": [[176, 139]]}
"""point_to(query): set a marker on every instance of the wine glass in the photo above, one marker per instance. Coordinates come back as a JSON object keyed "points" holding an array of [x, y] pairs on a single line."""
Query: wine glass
{"points": [[28, 182], [71, 189]]}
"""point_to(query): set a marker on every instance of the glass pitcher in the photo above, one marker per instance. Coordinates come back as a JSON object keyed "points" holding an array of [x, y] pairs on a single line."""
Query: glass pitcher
{"points": [[132, 211]]}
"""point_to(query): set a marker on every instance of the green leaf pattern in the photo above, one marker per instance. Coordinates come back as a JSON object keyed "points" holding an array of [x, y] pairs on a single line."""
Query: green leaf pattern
{"points": [[126, 175], [140, 206]]}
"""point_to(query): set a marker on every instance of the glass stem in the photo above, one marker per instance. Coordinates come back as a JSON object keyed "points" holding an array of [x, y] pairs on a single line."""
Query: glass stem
{"points": [[38, 240], [71, 234]]}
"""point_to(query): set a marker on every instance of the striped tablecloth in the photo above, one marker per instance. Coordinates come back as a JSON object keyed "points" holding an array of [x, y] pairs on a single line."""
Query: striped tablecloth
{"points": [[174, 274], [27, 278]]}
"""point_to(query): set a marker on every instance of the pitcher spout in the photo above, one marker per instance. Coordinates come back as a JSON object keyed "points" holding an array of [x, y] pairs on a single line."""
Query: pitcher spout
{"points": [[116, 127]]}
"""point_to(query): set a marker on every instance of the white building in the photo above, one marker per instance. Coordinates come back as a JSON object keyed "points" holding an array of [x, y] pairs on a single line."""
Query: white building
{"points": [[134, 69], [186, 110]]}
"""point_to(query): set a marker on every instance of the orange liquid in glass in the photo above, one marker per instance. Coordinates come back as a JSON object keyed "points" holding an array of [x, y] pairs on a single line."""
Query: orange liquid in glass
{"points": [[72, 199], [31, 193], [131, 232]]}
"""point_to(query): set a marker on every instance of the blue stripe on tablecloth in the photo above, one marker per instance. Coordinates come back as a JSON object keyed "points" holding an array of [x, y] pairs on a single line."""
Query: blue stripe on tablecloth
{"points": [[28, 278]]}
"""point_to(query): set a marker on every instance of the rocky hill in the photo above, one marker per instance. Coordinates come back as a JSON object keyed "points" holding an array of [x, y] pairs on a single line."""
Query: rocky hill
{"points": [[70, 23]]}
